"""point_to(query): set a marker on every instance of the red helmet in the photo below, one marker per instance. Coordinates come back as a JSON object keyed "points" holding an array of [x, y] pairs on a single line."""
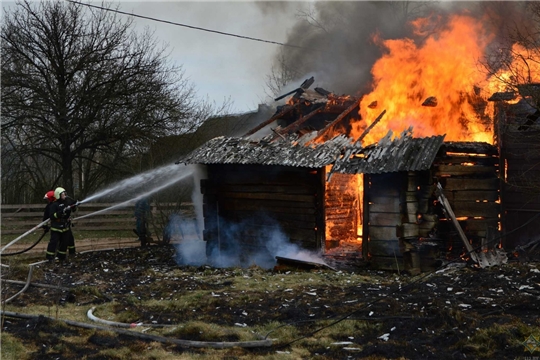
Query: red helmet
{"points": [[49, 196]]}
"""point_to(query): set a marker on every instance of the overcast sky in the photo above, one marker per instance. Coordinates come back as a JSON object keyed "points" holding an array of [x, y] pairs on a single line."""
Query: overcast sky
{"points": [[220, 66]]}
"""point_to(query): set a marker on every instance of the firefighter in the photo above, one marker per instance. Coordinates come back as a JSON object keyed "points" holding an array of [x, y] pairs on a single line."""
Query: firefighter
{"points": [[59, 214], [49, 196]]}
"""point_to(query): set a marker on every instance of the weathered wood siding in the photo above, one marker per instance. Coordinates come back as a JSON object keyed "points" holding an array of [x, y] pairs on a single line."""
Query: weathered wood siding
{"points": [[520, 154], [470, 179], [244, 205], [384, 198], [406, 229], [421, 249]]}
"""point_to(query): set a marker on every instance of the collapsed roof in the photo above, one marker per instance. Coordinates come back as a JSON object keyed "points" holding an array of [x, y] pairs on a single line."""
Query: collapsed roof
{"points": [[301, 134]]}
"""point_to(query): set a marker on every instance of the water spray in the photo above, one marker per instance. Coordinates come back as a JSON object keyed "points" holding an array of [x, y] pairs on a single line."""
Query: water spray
{"points": [[137, 180], [130, 201], [140, 180]]}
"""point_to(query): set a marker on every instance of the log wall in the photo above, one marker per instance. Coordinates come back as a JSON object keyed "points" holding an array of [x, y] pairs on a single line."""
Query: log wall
{"points": [[520, 153], [471, 184], [247, 207], [384, 199]]}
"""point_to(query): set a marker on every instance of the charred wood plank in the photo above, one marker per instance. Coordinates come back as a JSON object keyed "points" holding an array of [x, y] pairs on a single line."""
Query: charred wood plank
{"points": [[466, 159], [464, 170], [323, 131], [382, 233], [451, 184], [228, 206], [300, 220], [471, 195], [384, 248], [266, 203], [269, 189], [296, 125], [385, 219], [285, 111], [269, 196], [474, 209]]}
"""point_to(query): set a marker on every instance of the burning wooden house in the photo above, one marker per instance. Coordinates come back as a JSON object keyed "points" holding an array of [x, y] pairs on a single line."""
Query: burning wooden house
{"points": [[518, 134], [377, 205]]}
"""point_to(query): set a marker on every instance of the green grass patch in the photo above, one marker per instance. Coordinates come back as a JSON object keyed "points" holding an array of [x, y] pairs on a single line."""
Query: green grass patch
{"points": [[13, 349]]}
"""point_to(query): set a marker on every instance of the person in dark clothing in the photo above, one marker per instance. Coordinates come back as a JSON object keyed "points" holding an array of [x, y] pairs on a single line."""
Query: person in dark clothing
{"points": [[49, 196], [59, 214], [142, 207]]}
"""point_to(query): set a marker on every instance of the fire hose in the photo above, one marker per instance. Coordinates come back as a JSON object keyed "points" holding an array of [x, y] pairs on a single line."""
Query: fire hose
{"points": [[23, 235], [30, 231], [25, 250]]}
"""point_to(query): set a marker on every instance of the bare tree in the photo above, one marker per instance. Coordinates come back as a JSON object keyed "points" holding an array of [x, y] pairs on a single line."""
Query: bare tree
{"points": [[81, 93], [515, 63]]}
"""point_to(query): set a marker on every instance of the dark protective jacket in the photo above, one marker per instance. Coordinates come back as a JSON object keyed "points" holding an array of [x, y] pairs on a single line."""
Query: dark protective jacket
{"points": [[60, 219], [46, 212]]}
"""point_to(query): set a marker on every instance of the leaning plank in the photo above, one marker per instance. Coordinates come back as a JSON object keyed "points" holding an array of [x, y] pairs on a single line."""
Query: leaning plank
{"points": [[179, 342], [484, 259]]}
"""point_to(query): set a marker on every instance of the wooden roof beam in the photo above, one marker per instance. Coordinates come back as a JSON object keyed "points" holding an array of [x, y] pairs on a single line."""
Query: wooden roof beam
{"points": [[337, 120]]}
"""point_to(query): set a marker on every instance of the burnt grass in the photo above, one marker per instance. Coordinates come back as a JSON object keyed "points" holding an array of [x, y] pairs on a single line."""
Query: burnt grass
{"points": [[457, 312]]}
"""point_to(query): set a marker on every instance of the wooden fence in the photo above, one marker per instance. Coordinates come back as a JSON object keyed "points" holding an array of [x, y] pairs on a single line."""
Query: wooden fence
{"points": [[17, 219]]}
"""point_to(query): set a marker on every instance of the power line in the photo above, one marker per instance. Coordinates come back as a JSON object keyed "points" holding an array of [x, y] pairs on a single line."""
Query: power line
{"points": [[187, 26]]}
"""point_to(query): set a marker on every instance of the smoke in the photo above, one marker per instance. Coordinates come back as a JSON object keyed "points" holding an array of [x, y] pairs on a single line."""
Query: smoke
{"points": [[199, 173], [338, 38], [241, 244], [237, 244]]}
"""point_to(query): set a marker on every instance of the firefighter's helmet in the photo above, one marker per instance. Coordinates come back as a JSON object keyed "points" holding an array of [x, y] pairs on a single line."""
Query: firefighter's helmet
{"points": [[49, 196], [58, 191]]}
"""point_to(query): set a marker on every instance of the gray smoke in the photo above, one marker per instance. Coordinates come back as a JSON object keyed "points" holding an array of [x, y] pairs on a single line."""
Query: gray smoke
{"points": [[337, 37]]}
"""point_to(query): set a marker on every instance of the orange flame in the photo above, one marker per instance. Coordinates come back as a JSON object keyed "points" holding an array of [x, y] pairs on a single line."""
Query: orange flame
{"points": [[444, 68]]}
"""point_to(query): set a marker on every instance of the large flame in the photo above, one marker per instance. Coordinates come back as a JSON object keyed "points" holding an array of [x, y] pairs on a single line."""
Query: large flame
{"points": [[438, 86], [445, 67]]}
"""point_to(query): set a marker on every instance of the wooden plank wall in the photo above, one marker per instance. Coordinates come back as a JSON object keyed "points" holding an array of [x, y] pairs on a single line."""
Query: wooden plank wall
{"points": [[385, 197], [420, 247], [243, 205], [471, 185], [520, 152], [17, 219]]}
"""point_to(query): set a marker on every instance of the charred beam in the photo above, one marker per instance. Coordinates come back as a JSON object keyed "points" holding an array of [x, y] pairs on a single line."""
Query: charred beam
{"points": [[337, 120], [283, 112], [296, 125]]}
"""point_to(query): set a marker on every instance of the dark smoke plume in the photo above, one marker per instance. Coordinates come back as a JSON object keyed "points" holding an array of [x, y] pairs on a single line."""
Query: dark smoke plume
{"points": [[337, 38]]}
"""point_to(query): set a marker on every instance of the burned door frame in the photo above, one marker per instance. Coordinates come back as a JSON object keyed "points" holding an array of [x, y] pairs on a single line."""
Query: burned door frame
{"points": [[262, 198]]}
